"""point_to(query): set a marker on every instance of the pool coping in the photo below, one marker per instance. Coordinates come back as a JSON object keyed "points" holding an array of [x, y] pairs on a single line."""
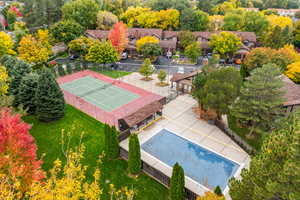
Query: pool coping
{"points": [[225, 191]]}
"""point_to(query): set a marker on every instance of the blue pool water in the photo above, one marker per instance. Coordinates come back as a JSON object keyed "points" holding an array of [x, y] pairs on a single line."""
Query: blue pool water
{"points": [[200, 164]]}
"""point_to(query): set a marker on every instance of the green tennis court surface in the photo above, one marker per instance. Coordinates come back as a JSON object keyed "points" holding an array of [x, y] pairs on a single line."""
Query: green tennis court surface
{"points": [[99, 93]]}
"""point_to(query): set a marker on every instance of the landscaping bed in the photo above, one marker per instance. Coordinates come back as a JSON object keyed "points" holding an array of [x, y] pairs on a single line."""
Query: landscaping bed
{"points": [[48, 139]]}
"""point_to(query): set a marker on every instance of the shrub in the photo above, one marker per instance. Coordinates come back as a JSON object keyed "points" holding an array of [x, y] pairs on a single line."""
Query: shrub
{"points": [[61, 70], [111, 142], [162, 75], [218, 191], [193, 51], [65, 31], [144, 40], [134, 155], [177, 191], [69, 68], [146, 69], [77, 67]]}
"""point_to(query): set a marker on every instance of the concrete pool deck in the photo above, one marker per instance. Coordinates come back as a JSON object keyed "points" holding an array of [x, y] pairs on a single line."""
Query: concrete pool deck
{"points": [[179, 118]]}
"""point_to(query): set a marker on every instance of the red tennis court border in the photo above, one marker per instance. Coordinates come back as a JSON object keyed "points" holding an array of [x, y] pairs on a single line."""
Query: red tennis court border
{"points": [[111, 118]]}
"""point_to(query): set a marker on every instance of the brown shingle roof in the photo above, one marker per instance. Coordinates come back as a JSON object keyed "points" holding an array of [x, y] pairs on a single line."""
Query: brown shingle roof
{"points": [[142, 32], [292, 95], [250, 36], [168, 44], [170, 34], [178, 77], [143, 113]]}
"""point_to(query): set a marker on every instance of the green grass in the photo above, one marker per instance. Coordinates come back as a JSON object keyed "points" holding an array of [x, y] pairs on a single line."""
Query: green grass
{"points": [[110, 73], [242, 132], [48, 139]]}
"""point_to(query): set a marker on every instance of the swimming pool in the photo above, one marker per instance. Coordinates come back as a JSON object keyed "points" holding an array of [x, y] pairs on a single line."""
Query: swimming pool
{"points": [[200, 164]]}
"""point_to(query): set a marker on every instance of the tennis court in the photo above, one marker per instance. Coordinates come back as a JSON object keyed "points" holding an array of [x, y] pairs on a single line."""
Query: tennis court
{"points": [[102, 94]]}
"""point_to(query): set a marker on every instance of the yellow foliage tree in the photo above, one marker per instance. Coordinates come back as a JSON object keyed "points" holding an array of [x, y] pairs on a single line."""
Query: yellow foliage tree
{"points": [[293, 71], [35, 50], [210, 196], [148, 19], [144, 40], [169, 19], [68, 182], [3, 81], [9, 190], [216, 22], [280, 21], [6, 44], [131, 14]]}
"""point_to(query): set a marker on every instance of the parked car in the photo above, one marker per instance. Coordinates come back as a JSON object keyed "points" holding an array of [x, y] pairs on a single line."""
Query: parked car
{"points": [[74, 57], [124, 56], [180, 70]]}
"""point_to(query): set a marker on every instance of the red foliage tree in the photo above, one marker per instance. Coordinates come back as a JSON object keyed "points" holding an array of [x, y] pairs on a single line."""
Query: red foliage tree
{"points": [[18, 158], [119, 37]]}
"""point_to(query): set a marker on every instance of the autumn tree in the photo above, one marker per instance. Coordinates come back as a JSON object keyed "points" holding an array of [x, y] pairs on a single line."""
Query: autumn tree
{"points": [[131, 14], [278, 37], [6, 44], [293, 72], [194, 20], [221, 89], [216, 22], [177, 191], [81, 45], [147, 39], [106, 20], [83, 12], [225, 7], [119, 37], [50, 103], [134, 155], [19, 161], [259, 105], [210, 196], [35, 49], [147, 69], [186, 38], [102, 52], [193, 51], [68, 181], [151, 50], [66, 30], [274, 172], [225, 43], [4, 81]]}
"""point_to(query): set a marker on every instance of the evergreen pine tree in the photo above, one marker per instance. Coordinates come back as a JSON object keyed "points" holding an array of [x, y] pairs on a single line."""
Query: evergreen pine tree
{"points": [[69, 68], [50, 103], [134, 155], [114, 143], [177, 190], [26, 92], [61, 70], [274, 172], [17, 69], [107, 140], [260, 101], [218, 191]]}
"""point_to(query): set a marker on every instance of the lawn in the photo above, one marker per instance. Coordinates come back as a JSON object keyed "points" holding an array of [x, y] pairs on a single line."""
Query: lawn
{"points": [[242, 132], [110, 73], [48, 139]]}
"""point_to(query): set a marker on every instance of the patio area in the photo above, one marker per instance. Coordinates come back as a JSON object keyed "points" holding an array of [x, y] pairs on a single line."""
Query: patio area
{"points": [[179, 118], [135, 79]]}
